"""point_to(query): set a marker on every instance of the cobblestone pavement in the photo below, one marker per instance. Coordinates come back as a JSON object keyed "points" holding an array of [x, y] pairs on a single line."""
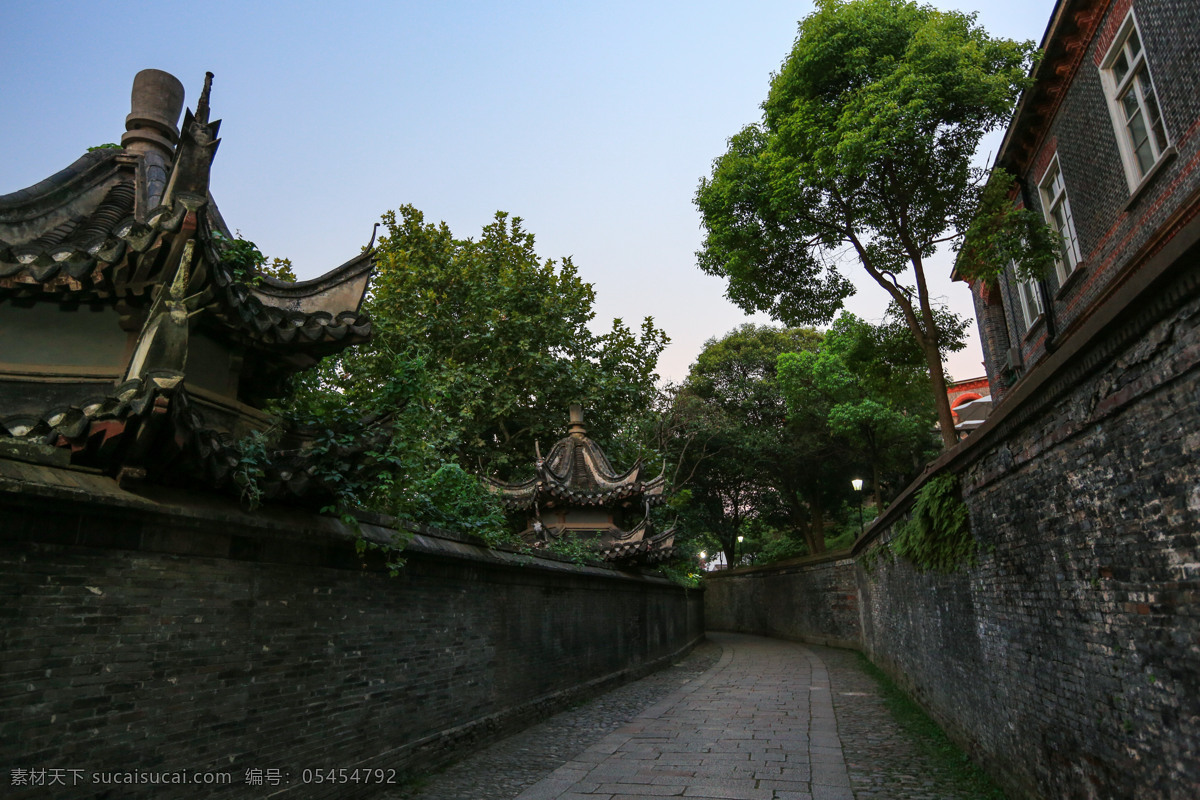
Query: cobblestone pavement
{"points": [[501, 771], [884, 762], [769, 720]]}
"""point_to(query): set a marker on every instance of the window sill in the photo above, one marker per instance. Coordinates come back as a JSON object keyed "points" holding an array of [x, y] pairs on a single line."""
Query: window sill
{"points": [[1137, 191], [1034, 329], [1070, 281]]}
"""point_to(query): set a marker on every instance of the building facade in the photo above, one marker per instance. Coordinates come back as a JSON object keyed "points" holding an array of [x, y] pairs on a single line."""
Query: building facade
{"points": [[1104, 149]]}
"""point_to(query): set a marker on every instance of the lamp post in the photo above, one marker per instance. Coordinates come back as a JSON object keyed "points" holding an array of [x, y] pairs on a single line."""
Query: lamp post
{"points": [[857, 484], [740, 539]]}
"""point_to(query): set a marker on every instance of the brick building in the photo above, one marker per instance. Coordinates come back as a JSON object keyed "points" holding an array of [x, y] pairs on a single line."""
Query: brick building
{"points": [[1104, 146]]}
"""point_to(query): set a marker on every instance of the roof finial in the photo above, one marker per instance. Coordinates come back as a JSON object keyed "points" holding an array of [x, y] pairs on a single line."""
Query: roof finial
{"points": [[576, 427], [202, 103]]}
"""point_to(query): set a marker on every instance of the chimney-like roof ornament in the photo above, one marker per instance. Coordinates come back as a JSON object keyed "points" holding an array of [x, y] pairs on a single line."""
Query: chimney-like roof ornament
{"points": [[576, 428], [155, 104]]}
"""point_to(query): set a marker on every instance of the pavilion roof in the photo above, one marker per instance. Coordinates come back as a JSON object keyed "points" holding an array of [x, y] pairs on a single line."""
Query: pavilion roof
{"points": [[576, 472], [109, 228]]}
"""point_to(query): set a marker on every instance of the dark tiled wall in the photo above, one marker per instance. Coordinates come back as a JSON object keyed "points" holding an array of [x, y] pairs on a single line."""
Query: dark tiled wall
{"points": [[1067, 660], [816, 601], [127, 659]]}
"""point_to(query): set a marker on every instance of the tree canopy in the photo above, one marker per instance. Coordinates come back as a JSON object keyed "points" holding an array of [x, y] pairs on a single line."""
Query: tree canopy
{"points": [[505, 338], [867, 385], [483, 346], [772, 423], [863, 156], [753, 465]]}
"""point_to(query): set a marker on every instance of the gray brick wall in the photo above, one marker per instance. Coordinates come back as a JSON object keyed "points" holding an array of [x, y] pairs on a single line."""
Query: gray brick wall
{"points": [[813, 600], [130, 646], [1067, 661]]}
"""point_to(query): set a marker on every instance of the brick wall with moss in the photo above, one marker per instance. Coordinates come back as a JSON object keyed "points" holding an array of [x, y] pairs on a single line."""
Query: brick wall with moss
{"points": [[1055, 636]]}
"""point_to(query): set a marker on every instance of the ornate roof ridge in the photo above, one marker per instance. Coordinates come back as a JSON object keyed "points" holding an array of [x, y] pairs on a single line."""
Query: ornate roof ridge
{"points": [[578, 472], [241, 307], [150, 420], [334, 277], [88, 243], [84, 169]]}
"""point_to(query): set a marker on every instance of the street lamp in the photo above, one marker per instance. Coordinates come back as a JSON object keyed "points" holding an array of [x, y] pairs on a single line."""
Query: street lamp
{"points": [[857, 484], [735, 555]]}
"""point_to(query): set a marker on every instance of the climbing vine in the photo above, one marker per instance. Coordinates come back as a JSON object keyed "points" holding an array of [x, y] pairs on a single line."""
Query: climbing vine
{"points": [[247, 264], [938, 535]]}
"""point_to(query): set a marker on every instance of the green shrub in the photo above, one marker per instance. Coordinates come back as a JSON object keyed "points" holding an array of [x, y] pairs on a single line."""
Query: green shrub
{"points": [[938, 535]]}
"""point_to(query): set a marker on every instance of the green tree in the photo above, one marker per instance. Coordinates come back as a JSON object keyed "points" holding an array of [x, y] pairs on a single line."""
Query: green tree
{"points": [[746, 461], [248, 264], [505, 340], [868, 386], [863, 154]]}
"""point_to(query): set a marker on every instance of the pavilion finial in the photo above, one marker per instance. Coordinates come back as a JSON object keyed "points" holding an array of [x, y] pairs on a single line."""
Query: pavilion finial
{"points": [[576, 427]]}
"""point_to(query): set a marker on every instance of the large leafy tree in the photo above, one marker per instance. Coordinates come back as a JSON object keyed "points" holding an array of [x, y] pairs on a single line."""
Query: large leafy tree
{"points": [[504, 345], [863, 155], [867, 385], [746, 462]]}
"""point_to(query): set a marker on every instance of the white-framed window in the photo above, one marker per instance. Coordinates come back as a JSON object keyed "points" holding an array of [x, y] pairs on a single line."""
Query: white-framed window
{"points": [[1133, 103], [1058, 214], [1031, 302]]}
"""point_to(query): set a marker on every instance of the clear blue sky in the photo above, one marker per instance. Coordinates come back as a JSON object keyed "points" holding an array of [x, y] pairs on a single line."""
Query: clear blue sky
{"points": [[592, 121]]}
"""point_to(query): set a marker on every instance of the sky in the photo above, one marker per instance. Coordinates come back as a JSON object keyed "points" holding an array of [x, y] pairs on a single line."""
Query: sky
{"points": [[594, 122]]}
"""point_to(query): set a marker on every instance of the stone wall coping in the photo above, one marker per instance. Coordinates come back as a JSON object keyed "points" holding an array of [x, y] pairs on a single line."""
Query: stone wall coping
{"points": [[1064, 367], [835, 558], [206, 524]]}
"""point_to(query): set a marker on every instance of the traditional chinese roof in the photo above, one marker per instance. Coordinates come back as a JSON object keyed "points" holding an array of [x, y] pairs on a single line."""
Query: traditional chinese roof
{"points": [[135, 228], [150, 429], [108, 228], [643, 551], [578, 473]]}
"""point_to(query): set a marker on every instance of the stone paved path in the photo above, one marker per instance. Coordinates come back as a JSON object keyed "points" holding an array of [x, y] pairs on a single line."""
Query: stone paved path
{"points": [[769, 720], [506, 768], [760, 725]]}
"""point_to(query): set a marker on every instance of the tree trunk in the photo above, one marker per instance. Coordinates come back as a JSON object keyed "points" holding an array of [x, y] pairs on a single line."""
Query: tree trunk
{"points": [[730, 552], [938, 380], [814, 533], [875, 487]]}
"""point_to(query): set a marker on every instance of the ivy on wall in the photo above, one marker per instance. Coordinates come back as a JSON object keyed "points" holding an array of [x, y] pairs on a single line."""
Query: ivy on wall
{"points": [[937, 536]]}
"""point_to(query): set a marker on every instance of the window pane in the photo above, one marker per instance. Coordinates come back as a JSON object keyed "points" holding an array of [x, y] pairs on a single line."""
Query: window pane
{"points": [[1072, 237], [1139, 136], [1134, 43], [1156, 123], [1143, 151], [1031, 304], [1121, 67], [1056, 184], [1129, 104], [1064, 241]]}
